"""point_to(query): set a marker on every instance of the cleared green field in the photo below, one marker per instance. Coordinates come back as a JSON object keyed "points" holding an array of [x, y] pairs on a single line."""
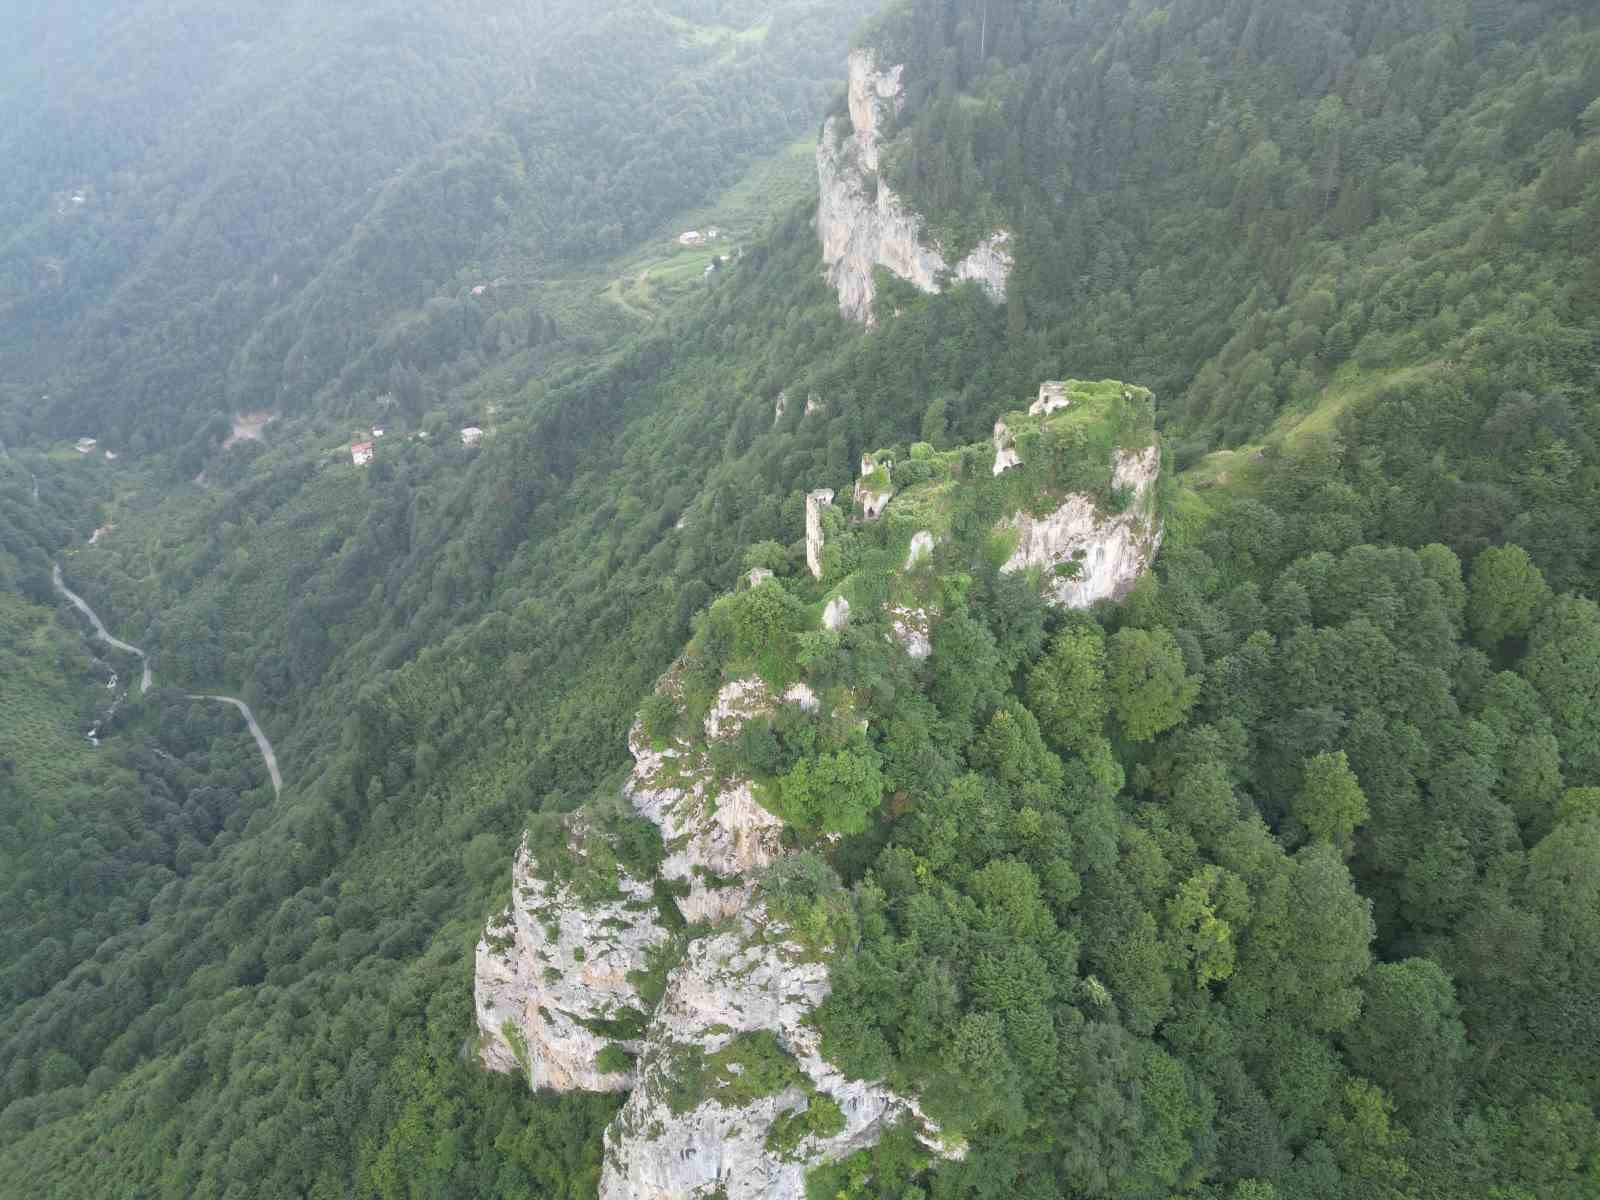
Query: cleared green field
{"points": [[41, 743], [654, 275], [1234, 468]]}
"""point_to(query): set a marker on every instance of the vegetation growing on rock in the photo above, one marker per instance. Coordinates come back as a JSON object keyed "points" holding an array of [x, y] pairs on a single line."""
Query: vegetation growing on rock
{"points": [[1346, 247]]}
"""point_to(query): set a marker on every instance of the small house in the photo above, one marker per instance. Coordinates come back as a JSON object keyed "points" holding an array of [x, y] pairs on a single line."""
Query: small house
{"points": [[692, 237], [361, 453], [471, 436], [85, 445]]}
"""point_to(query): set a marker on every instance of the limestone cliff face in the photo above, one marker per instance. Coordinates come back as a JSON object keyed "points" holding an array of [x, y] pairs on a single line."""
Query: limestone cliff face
{"points": [[589, 960], [560, 974], [862, 224], [815, 502], [716, 839], [669, 1145], [552, 966], [1110, 552], [556, 965]]}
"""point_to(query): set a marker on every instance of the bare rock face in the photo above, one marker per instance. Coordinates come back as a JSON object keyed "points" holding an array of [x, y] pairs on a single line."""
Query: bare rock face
{"points": [[921, 550], [802, 695], [815, 502], [557, 965], [910, 627], [1052, 396], [1111, 551], [836, 615], [1005, 452], [989, 263], [873, 490], [680, 1135], [715, 839], [554, 964], [862, 224]]}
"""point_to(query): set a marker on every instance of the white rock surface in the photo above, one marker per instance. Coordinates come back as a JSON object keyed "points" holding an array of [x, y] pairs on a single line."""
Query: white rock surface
{"points": [[802, 695], [736, 703], [873, 502], [836, 614], [815, 502], [552, 961], [725, 833], [862, 224], [745, 979], [1005, 453], [921, 549], [1052, 396], [910, 628], [1113, 551]]}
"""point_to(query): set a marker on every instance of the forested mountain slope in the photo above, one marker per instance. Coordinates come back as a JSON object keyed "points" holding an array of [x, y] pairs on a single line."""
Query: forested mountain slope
{"points": [[230, 205], [1271, 191], [1274, 880]]}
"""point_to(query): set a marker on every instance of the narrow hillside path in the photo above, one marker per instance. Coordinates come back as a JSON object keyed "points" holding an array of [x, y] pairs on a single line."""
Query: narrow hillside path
{"points": [[104, 634]]}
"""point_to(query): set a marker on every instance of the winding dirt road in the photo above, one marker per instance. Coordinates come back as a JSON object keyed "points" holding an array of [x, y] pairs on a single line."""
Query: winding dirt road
{"points": [[255, 732], [104, 634], [100, 631]]}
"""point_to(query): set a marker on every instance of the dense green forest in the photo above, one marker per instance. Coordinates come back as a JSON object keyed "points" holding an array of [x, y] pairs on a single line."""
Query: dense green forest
{"points": [[1278, 879], [1267, 192], [253, 211]]}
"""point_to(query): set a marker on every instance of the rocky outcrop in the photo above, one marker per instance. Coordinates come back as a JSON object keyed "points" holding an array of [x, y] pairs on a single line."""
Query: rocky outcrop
{"points": [[590, 980], [1005, 451], [678, 1136], [555, 970], [1052, 396], [862, 224], [873, 491], [921, 549], [561, 979], [1089, 555], [560, 966], [716, 837], [815, 502], [910, 627]]}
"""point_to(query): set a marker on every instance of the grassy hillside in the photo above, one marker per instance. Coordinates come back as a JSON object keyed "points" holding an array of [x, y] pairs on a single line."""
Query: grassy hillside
{"points": [[45, 697]]}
